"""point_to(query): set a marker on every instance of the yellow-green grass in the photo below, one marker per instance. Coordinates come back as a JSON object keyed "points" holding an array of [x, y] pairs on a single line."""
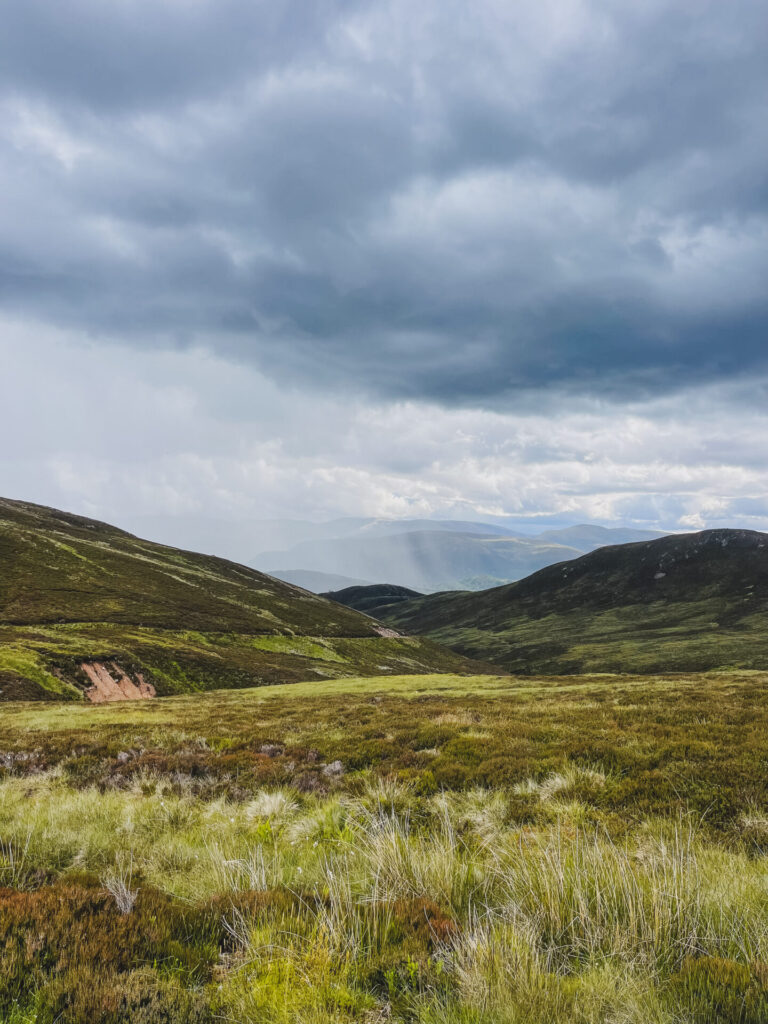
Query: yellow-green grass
{"points": [[665, 742], [21, 714], [197, 707], [489, 851], [44, 662], [374, 906]]}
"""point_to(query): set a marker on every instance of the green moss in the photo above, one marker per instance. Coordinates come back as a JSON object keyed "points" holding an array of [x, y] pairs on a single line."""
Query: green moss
{"points": [[302, 647], [28, 666]]}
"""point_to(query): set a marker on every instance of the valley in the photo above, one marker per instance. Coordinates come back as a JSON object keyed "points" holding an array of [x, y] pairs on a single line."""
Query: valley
{"points": [[431, 556], [225, 798]]}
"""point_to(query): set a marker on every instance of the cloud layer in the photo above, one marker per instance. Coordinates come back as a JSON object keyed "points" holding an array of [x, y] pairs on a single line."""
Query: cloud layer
{"points": [[430, 200], [327, 256], [191, 435]]}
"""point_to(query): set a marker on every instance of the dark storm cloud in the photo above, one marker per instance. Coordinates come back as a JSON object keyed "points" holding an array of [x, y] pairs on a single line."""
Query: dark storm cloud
{"points": [[443, 200], [142, 54]]}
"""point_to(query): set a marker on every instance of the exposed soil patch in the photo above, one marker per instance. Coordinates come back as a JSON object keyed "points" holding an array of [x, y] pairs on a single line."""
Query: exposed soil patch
{"points": [[110, 682]]}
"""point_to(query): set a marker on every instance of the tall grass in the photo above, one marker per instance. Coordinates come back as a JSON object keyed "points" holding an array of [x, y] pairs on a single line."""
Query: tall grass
{"points": [[437, 908]]}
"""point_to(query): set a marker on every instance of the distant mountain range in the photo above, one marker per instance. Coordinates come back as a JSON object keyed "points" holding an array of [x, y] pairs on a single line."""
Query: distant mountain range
{"points": [[238, 539], [682, 603], [319, 582], [432, 556]]}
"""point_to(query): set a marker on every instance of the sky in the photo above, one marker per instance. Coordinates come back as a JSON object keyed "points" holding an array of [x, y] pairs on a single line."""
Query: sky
{"points": [[317, 258]]}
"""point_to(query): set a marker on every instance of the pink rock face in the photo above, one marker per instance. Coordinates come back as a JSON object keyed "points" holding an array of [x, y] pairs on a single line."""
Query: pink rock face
{"points": [[111, 683]]}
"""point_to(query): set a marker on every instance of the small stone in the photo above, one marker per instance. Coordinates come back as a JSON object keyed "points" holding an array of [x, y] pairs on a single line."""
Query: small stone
{"points": [[310, 782], [271, 749], [334, 769]]}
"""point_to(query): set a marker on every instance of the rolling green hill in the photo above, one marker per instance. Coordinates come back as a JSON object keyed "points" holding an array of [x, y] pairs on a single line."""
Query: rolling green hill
{"points": [[374, 599], [691, 602], [75, 592]]}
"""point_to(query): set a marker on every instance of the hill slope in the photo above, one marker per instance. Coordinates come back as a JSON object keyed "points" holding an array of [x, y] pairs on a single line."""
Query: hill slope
{"points": [[75, 593], [373, 600], [681, 603]]}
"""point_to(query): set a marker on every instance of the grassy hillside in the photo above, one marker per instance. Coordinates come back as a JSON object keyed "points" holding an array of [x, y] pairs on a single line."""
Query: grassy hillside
{"points": [[684, 603], [58, 567], [431, 850], [73, 590], [374, 599]]}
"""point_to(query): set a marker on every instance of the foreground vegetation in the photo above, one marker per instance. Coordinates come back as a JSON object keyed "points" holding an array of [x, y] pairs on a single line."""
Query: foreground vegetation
{"points": [[665, 745], [432, 849]]}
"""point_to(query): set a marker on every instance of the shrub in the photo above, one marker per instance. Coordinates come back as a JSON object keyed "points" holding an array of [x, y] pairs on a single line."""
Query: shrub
{"points": [[713, 990], [85, 996], [64, 929]]}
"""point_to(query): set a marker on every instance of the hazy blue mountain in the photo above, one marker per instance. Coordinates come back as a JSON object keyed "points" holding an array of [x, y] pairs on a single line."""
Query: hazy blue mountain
{"points": [[390, 527], [424, 560], [432, 556], [588, 538], [238, 539], [291, 546], [318, 582]]}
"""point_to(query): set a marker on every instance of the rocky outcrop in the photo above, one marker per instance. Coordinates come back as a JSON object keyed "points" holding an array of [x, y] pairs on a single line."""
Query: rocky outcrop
{"points": [[111, 683]]}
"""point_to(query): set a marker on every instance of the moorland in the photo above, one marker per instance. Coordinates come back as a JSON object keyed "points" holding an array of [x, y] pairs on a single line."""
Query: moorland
{"points": [[432, 848], [314, 818]]}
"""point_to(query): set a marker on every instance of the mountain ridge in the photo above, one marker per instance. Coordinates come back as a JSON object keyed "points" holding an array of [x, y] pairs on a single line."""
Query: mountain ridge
{"points": [[372, 600], [686, 602]]}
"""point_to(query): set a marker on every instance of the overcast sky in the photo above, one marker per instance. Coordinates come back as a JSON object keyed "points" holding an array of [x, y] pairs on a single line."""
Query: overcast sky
{"points": [[309, 258]]}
